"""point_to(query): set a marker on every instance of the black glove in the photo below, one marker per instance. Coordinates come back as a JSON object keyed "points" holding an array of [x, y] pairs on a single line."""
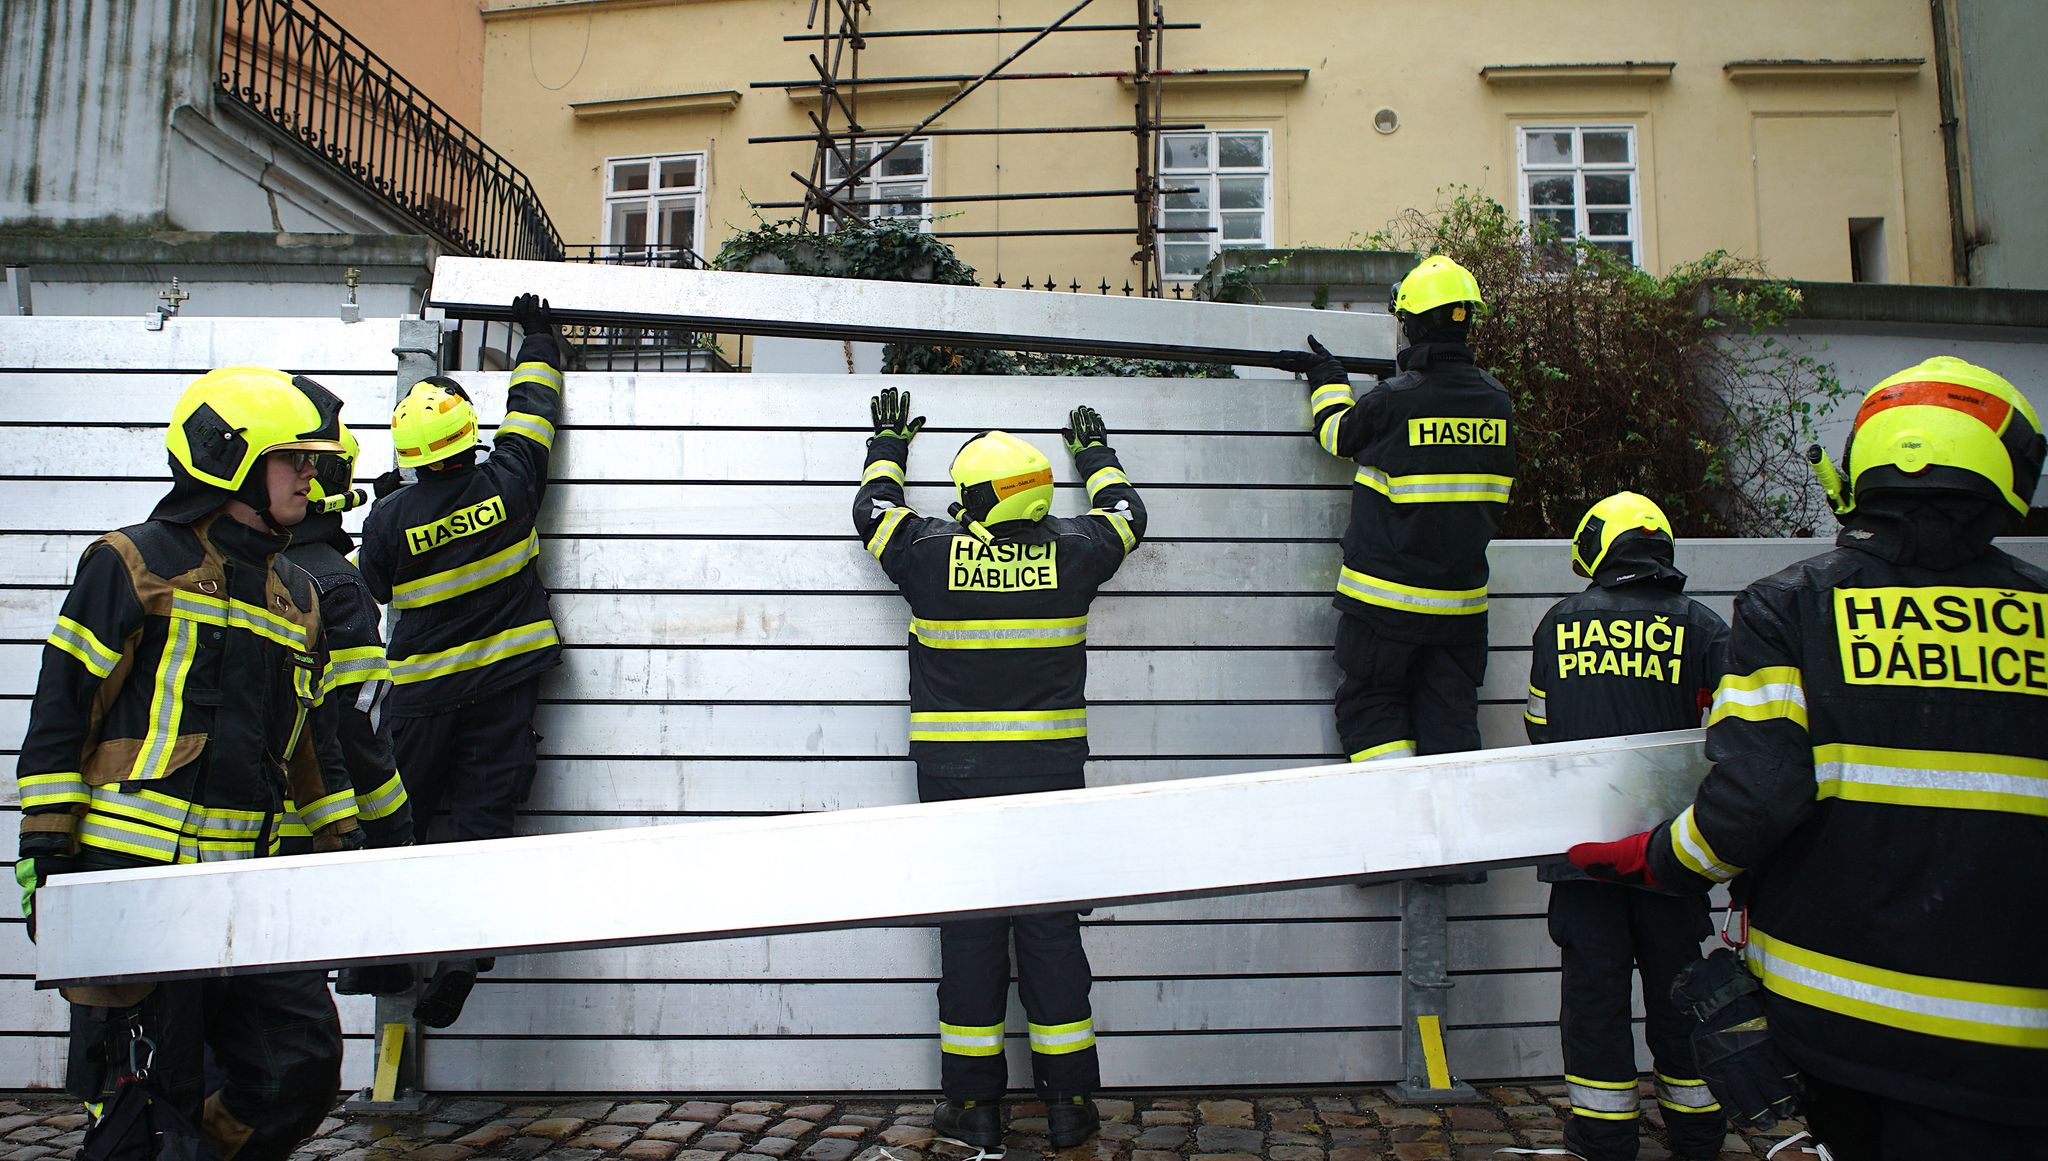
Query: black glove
{"points": [[1732, 1045], [1321, 367], [531, 312], [891, 413], [1084, 430]]}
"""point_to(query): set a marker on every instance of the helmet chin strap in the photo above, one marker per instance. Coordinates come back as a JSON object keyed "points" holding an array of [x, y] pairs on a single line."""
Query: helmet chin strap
{"points": [[981, 531]]}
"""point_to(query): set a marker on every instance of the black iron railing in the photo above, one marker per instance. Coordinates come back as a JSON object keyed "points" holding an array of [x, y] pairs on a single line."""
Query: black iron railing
{"points": [[296, 68], [643, 348], [630, 254]]}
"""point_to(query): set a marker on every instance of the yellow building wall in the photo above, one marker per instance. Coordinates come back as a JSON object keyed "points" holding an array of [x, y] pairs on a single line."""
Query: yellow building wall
{"points": [[1767, 161]]}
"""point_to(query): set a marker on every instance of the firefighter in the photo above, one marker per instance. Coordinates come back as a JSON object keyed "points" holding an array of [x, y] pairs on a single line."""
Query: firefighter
{"points": [[1436, 458], [1879, 754], [353, 689], [1631, 654], [169, 725], [999, 599], [456, 554]]}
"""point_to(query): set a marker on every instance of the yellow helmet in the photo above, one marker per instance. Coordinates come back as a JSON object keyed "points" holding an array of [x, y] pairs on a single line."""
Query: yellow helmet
{"points": [[1001, 478], [1606, 522], [1436, 281], [334, 473], [229, 418], [431, 424], [1946, 425]]}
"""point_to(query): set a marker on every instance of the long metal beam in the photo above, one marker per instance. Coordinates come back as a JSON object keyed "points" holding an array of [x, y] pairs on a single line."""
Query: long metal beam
{"points": [[856, 868], [795, 306]]}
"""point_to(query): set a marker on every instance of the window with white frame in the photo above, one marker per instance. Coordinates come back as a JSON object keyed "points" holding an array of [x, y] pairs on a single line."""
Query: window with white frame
{"points": [[1582, 181], [653, 206], [893, 188], [1229, 176]]}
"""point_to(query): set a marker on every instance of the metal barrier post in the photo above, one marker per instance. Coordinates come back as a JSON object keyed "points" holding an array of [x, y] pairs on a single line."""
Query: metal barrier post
{"points": [[1425, 990]]}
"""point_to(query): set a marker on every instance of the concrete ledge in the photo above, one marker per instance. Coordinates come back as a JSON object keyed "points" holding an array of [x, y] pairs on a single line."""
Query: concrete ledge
{"points": [[1872, 69], [711, 101], [1281, 78], [1866, 302], [216, 248], [1631, 71]]}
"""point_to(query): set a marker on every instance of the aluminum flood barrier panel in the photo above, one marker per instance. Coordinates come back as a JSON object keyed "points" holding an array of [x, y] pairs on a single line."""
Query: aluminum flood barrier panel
{"points": [[796, 306]]}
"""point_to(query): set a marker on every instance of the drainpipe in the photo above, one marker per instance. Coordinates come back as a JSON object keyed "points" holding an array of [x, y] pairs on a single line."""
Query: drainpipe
{"points": [[1952, 143]]}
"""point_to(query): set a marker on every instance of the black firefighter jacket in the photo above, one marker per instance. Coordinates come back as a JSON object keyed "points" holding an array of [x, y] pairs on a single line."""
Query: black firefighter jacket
{"points": [[458, 555], [998, 631], [1632, 654], [170, 721], [1435, 450], [1880, 787]]}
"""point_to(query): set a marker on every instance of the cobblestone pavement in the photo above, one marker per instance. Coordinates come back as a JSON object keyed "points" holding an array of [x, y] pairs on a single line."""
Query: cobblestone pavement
{"points": [[1320, 1125]]}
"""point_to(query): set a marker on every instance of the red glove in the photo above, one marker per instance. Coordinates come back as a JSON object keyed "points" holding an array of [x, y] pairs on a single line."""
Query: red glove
{"points": [[1621, 861]]}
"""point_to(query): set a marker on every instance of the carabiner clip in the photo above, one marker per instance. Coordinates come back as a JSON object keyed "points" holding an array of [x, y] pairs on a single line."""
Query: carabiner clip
{"points": [[1742, 940], [141, 1051]]}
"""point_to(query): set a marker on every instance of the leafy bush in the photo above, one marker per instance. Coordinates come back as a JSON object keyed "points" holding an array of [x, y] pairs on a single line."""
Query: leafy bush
{"points": [[1624, 380]]}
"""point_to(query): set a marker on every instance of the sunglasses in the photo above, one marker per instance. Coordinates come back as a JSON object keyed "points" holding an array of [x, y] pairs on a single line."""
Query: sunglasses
{"points": [[300, 460]]}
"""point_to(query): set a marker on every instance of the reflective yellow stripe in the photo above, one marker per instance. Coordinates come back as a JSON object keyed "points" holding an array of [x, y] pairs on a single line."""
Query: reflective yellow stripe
{"points": [[1409, 598], [61, 789], [1538, 709], [167, 700], [1692, 849], [1329, 395], [1685, 1096], [1060, 1039], [879, 542], [971, 1039], [175, 814], [77, 640], [533, 427], [330, 809], [882, 470], [475, 654], [1956, 780], [164, 829], [234, 614], [382, 802], [1020, 633], [537, 372], [1121, 523], [997, 725], [467, 578], [1104, 478], [1607, 1100], [1443, 488], [1326, 433], [293, 826], [1953, 1009], [354, 666], [1771, 693], [1405, 748]]}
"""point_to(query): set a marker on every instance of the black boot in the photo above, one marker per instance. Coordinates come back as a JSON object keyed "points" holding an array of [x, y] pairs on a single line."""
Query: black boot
{"points": [[1071, 1121], [975, 1124], [384, 979], [441, 1004]]}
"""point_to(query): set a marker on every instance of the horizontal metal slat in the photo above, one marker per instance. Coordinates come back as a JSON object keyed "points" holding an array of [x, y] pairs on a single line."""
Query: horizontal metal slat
{"points": [[56, 342]]}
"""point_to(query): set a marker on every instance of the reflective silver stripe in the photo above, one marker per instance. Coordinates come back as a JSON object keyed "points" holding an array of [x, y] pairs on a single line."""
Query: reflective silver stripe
{"points": [[1329, 395], [1448, 486], [533, 427], [1685, 1095], [1825, 982], [469, 577], [340, 673], [167, 704], [1106, 477], [150, 842], [172, 814], [382, 801], [537, 372], [959, 1041], [1928, 778], [997, 725], [1047, 1039], [475, 654], [78, 641], [1365, 589], [53, 789], [891, 518], [1601, 1098], [329, 810], [882, 469], [238, 615], [1539, 707], [1060, 630]]}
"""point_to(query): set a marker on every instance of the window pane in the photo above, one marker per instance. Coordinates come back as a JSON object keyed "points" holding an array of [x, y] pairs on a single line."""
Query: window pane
{"points": [[1243, 227], [1184, 219], [679, 173], [1241, 150], [629, 224], [901, 200], [626, 178], [1550, 189], [1607, 189], [1626, 251], [1564, 221], [1186, 152], [1607, 223], [905, 162], [1549, 146], [1186, 260], [1606, 148], [1198, 200], [1241, 193], [679, 222]]}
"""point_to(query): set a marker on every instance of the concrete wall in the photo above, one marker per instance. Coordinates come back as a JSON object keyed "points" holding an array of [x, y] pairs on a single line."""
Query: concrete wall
{"points": [[2006, 113], [1773, 164]]}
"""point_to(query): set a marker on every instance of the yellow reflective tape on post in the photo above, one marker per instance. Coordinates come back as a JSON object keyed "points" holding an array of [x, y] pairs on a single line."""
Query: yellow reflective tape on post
{"points": [[1443, 488], [1606, 1100], [1060, 1039], [2002, 1014], [1326, 433], [1404, 748], [467, 578], [997, 725], [1435, 1063], [533, 427], [1409, 598], [1329, 395], [1955, 780], [971, 1040], [1693, 850], [882, 470], [1775, 692], [513, 642], [64, 789], [383, 801], [879, 542], [1121, 523], [77, 640], [167, 701], [1104, 478], [390, 1048], [353, 666], [537, 372], [1018, 633]]}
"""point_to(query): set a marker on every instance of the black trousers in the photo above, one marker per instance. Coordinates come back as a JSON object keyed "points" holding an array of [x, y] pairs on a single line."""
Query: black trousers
{"points": [[1604, 933], [477, 760], [276, 1046], [1053, 979], [1402, 697], [1861, 1126]]}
